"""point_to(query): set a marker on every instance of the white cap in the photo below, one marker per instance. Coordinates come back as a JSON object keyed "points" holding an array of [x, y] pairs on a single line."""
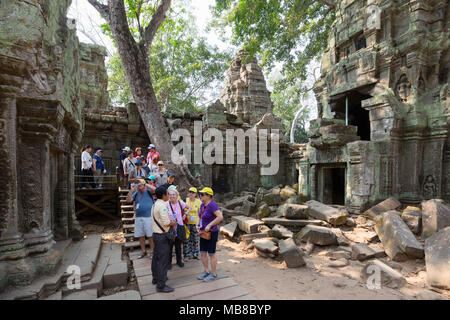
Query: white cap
{"points": [[127, 149], [151, 146]]}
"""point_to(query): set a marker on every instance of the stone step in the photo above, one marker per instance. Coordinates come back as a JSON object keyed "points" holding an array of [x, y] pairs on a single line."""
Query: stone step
{"points": [[116, 275], [295, 224], [133, 244], [90, 294], [128, 226], [127, 220], [124, 295], [126, 207]]}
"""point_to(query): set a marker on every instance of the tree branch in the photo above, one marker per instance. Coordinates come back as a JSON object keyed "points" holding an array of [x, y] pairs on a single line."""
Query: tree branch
{"points": [[101, 8], [330, 3], [156, 22]]}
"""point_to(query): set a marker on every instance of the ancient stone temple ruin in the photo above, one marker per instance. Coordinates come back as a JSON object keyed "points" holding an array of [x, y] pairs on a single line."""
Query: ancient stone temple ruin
{"points": [[245, 93], [384, 112], [40, 129]]}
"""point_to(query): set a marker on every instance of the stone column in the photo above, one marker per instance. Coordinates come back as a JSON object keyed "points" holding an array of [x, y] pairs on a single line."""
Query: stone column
{"points": [[11, 242]]}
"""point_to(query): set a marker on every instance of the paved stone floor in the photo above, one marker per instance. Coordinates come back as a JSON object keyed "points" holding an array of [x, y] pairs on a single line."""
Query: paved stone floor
{"points": [[184, 281]]}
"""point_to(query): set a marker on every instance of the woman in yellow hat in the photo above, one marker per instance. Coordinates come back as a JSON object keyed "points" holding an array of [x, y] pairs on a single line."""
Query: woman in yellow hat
{"points": [[191, 249], [210, 217]]}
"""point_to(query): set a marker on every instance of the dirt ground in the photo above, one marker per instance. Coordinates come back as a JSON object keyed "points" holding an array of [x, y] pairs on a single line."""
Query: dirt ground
{"points": [[266, 278]]}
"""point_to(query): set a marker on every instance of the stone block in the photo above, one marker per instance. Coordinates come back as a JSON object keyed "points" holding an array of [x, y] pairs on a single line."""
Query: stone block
{"points": [[248, 208], [437, 259], [339, 254], [398, 241], [326, 213], [288, 192], [272, 199], [280, 232], [317, 235], [388, 276], [246, 224], [123, 296], [229, 229], [292, 255], [266, 245], [291, 223], [295, 211], [90, 294], [435, 216], [386, 205], [116, 275], [248, 238], [413, 218], [362, 251], [236, 202], [263, 211]]}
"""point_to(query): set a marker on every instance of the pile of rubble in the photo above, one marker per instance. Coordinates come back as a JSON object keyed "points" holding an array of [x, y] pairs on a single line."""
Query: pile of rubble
{"points": [[278, 224]]}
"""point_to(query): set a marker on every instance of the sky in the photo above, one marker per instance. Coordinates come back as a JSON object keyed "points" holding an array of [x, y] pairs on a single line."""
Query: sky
{"points": [[88, 30]]}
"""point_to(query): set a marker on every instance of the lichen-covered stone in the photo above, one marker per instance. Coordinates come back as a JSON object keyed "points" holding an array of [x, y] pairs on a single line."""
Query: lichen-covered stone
{"points": [[437, 259], [435, 216]]}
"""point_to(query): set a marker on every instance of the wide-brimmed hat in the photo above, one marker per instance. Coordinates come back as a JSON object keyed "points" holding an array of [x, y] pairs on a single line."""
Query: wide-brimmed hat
{"points": [[160, 162]]}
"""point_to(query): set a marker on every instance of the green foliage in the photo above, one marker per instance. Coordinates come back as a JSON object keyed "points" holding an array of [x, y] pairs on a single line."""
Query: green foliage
{"points": [[184, 68]]}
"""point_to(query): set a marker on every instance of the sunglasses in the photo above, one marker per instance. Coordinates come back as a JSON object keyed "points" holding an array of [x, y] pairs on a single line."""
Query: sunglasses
{"points": [[160, 165]]}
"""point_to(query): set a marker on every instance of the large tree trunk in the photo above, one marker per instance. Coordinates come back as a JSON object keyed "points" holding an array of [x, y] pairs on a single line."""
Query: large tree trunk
{"points": [[134, 58]]}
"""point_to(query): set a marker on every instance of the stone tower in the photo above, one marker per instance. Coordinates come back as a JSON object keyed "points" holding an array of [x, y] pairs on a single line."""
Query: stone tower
{"points": [[245, 93]]}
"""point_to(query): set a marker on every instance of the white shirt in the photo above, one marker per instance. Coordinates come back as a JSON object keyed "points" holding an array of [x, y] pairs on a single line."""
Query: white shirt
{"points": [[86, 158]]}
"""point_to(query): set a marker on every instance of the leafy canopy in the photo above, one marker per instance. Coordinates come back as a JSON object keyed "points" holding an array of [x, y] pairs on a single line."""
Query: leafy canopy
{"points": [[185, 69]]}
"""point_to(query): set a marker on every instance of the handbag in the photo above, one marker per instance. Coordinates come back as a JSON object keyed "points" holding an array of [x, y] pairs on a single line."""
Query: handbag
{"points": [[181, 231], [170, 235]]}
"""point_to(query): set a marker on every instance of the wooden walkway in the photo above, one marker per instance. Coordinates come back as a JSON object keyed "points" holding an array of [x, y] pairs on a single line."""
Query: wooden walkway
{"points": [[184, 281]]}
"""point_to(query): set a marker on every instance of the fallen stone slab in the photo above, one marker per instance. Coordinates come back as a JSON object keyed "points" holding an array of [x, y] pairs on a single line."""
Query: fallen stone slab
{"points": [[326, 213], [280, 232], [291, 223], [266, 245], [437, 259], [229, 229], [413, 218], [263, 211], [248, 238], [272, 199], [230, 213], [236, 202], [247, 224], [340, 254], [429, 295], [317, 235], [435, 216], [341, 239], [386, 205], [295, 211], [398, 241], [124, 295], [90, 294], [288, 192], [339, 263], [265, 254], [377, 273], [291, 254], [116, 275], [362, 251], [248, 208]]}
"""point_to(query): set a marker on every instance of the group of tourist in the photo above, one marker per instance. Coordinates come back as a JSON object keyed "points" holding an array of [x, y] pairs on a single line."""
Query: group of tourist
{"points": [[92, 168], [191, 226]]}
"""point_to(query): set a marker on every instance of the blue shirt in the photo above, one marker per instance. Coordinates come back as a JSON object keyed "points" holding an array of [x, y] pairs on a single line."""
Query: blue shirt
{"points": [[143, 204], [99, 162]]}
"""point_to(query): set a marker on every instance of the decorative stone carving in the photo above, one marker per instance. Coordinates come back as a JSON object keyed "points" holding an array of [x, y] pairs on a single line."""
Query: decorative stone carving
{"points": [[429, 188]]}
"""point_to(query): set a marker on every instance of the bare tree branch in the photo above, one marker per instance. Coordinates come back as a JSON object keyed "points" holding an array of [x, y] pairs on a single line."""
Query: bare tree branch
{"points": [[156, 22], [101, 8], [330, 3]]}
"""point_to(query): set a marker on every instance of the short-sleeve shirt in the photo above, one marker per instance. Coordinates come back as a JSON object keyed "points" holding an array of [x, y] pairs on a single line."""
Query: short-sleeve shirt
{"points": [[207, 215], [193, 214], [86, 157], [143, 204], [177, 210], [123, 156], [129, 165], [99, 164], [161, 179], [151, 155]]}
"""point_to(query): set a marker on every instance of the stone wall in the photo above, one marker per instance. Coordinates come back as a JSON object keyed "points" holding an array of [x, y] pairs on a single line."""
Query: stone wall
{"points": [[40, 127], [389, 62]]}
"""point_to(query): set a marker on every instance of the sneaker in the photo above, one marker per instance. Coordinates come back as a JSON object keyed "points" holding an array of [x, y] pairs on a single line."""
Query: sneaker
{"points": [[210, 278], [203, 275], [166, 289], [180, 264]]}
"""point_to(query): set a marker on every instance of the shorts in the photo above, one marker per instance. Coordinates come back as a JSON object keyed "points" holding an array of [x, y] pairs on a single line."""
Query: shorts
{"points": [[143, 227], [209, 245]]}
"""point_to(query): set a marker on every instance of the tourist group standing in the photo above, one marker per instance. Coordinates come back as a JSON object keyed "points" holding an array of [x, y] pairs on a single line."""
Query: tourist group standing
{"points": [[161, 216]]}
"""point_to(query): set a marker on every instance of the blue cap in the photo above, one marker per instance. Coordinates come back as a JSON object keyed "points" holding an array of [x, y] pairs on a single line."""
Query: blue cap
{"points": [[151, 178], [170, 174], [99, 150]]}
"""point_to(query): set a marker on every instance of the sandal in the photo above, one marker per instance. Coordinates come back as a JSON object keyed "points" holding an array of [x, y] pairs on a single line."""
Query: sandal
{"points": [[143, 255]]}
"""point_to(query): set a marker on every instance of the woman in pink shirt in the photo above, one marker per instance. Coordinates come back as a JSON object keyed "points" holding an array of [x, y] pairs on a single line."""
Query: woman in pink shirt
{"points": [[178, 211], [152, 153]]}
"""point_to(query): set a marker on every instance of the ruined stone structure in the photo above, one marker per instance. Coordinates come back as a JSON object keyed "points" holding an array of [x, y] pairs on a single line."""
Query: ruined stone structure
{"points": [[40, 129], [245, 93], [387, 64]]}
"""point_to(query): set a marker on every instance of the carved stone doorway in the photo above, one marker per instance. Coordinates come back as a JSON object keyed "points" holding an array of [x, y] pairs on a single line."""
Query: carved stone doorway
{"points": [[332, 184]]}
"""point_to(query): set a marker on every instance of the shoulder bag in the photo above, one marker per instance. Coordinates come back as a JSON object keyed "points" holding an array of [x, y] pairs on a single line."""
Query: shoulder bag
{"points": [[170, 235], [204, 234], [181, 231]]}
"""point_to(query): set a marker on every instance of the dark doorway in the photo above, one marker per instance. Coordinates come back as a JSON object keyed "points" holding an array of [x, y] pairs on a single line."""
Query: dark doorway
{"points": [[333, 188], [357, 116], [220, 179]]}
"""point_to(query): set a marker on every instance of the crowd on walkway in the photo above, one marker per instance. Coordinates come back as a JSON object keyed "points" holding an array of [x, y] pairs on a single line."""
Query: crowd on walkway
{"points": [[92, 168], [161, 216]]}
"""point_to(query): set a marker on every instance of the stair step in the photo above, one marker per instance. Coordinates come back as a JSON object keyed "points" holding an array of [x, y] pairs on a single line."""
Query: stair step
{"points": [[127, 219], [129, 207], [128, 226]]}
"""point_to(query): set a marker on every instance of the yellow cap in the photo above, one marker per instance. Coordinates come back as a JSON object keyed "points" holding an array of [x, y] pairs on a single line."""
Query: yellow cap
{"points": [[193, 189], [207, 191], [141, 181]]}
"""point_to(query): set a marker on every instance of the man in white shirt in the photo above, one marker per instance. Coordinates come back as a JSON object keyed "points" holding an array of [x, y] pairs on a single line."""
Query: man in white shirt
{"points": [[86, 168]]}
